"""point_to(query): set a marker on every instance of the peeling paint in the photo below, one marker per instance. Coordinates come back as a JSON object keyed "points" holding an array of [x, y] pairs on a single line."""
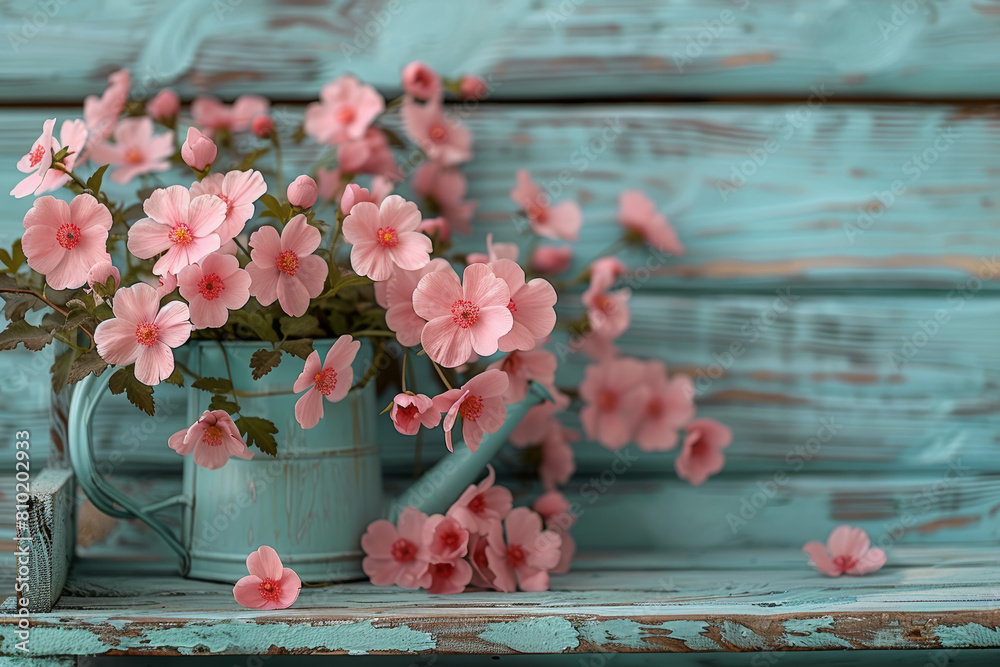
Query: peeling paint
{"points": [[689, 632], [548, 634], [616, 631], [968, 636], [890, 636], [196, 638], [742, 637], [805, 633]]}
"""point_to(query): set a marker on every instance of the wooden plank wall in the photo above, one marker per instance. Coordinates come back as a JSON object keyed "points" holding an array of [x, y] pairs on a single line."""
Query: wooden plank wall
{"points": [[769, 131]]}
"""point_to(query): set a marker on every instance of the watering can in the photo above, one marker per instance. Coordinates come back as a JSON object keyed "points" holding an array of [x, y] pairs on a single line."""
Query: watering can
{"points": [[312, 502]]}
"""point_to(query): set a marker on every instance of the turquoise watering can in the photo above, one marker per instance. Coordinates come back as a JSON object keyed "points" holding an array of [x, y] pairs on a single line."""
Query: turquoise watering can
{"points": [[312, 502]]}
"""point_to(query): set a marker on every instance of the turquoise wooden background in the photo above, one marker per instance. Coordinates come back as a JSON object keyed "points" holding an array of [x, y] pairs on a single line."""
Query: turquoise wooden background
{"points": [[768, 130]]}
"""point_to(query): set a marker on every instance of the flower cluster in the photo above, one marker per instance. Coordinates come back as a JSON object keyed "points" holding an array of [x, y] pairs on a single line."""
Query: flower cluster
{"points": [[482, 540], [214, 246]]}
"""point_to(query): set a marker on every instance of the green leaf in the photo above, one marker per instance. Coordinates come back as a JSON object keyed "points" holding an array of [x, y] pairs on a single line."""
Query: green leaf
{"points": [[60, 370], [345, 282], [301, 347], [271, 204], [138, 394], [259, 433], [214, 385], [94, 182], [14, 259], [87, 363], [296, 327], [263, 361], [220, 402], [251, 158], [176, 378], [34, 338], [255, 323], [17, 305]]}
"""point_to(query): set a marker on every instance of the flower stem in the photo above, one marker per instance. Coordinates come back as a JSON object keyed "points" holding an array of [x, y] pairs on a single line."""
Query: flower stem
{"points": [[441, 374]]}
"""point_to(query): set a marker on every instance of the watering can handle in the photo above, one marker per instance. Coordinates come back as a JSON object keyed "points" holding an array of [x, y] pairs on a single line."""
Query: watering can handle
{"points": [[438, 488], [87, 394]]}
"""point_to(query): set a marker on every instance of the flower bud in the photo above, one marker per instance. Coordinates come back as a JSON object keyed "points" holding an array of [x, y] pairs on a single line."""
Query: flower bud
{"points": [[164, 105], [302, 192], [262, 126], [198, 151], [473, 87]]}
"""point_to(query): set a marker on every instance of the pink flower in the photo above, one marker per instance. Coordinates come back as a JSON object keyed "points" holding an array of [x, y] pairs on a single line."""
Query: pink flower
{"points": [[558, 461], [443, 139], [262, 126], [37, 161], [668, 406], [462, 318], [166, 284], [370, 154], [552, 260], [284, 268], [528, 555], [445, 538], [473, 87], [183, 227], [396, 296], [411, 411], [212, 439], [494, 251], [435, 228], [561, 221], [480, 404], [164, 105], [449, 577], [385, 237], [556, 511], [523, 367], [481, 505], [612, 391], [605, 272], [355, 194], [213, 287], [701, 455], [63, 241], [302, 192], [136, 150], [143, 333], [239, 190], [329, 184], [99, 274], [846, 552], [269, 585], [420, 81], [345, 110], [198, 151], [482, 575], [637, 213], [397, 556], [100, 114], [211, 115], [331, 380], [539, 420], [447, 188], [532, 305], [608, 312]]}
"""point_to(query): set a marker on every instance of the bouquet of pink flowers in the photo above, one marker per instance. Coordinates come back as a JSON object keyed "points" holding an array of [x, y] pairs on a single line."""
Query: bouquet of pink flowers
{"points": [[216, 247]]}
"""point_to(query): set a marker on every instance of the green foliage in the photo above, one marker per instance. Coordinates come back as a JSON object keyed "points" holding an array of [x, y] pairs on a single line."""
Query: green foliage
{"points": [[214, 385], [263, 361], [296, 327], [301, 347], [34, 338], [61, 368], [259, 433], [87, 363], [137, 393]]}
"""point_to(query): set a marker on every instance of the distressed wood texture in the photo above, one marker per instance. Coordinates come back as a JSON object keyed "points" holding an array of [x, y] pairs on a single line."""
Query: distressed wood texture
{"points": [[809, 216], [653, 605], [527, 48], [45, 543]]}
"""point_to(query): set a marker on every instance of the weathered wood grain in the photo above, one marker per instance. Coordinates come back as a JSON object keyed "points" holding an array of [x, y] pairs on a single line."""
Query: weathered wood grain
{"points": [[575, 48], [44, 543], [657, 609], [795, 221]]}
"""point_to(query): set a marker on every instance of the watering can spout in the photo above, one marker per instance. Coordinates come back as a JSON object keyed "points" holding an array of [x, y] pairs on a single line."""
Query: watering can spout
{"points": [[438, 488]]}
